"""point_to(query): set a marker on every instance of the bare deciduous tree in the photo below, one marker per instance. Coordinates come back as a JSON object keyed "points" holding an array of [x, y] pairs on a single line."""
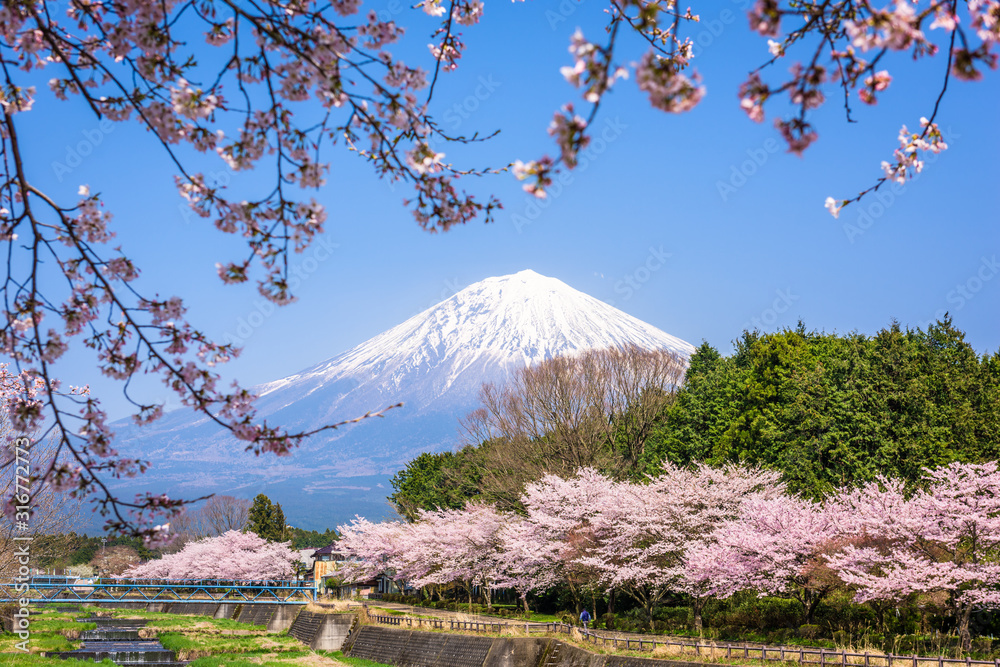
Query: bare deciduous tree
{"points": [[225, 513], [218, 515], [115, 560], [50, 512], [594, 409]]}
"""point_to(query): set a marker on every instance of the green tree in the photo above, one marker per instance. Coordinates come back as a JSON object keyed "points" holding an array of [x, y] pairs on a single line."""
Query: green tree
{"points": [[265, 519], [306, 539], [831, 410], [432, 481]]}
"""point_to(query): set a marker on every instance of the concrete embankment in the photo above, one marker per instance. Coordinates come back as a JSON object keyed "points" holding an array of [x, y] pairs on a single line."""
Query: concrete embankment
{"points": [[320, 631], [413, 648]]}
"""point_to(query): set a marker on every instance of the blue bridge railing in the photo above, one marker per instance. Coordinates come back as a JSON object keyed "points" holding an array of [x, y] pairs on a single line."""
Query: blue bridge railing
{"points": [[52, 589]]}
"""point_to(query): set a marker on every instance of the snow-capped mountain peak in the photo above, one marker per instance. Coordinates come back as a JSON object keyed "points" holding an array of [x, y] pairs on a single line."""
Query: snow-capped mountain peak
{"points": [[483, 332], [435, 363]]}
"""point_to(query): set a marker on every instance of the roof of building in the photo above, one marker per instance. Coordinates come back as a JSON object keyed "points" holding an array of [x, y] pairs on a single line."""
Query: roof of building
{"points": [[328, 549], [306, 557]]}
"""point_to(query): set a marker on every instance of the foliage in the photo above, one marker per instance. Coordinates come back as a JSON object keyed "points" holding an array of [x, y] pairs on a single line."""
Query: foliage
{"points": [[712, 534], [833, 410], [266, 519], [590, 410], [435, 481], [81, 549], [305, 539], [280, 87], [825, 410]]}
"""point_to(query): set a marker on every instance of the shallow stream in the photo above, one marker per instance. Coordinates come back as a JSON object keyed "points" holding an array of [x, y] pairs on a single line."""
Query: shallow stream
{"points": [[118, 640]]}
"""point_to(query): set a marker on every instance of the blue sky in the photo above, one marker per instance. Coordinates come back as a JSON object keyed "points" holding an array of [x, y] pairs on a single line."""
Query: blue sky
{"points": [[763, 252]]}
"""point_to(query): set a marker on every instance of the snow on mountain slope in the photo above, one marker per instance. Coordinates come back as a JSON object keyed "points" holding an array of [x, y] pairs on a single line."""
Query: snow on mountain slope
{"points": [[435, 363], [482, 333]]}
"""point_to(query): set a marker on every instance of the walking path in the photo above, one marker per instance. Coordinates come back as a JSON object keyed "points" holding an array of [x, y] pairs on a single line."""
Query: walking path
{"points": [[712, 650]]}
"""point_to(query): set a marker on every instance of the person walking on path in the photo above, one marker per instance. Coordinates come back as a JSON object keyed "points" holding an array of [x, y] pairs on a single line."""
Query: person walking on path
{"points": [[585, 618]]}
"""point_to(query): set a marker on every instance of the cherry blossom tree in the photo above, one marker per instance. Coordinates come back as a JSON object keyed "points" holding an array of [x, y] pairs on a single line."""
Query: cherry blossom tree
{"points": [[942, 539], [458, 546], [696, 501], [28, 503], [440, 548], [773, 546], [526, 559], [648, 529], [564, 519], [232, 556], [266, 86], [371, 549]]}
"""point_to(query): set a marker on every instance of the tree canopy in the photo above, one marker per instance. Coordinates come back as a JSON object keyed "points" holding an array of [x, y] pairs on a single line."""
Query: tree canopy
{"points": [[832, 410], [825, 410], [266, 519]]}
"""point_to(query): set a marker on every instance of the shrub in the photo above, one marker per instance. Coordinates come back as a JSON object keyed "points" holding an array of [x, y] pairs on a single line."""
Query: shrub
{"points": [[809, 631], [674, 618]]}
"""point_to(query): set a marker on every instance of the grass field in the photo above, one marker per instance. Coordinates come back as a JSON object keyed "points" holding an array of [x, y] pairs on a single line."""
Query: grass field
{"points": [[207, 642]]}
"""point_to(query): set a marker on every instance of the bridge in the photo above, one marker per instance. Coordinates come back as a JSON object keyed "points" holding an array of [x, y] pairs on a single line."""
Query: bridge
{"points": [[55, 589]]}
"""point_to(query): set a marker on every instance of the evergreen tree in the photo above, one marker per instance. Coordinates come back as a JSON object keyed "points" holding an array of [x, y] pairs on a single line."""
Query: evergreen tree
{"points": [[278, 530], [266, 520]]}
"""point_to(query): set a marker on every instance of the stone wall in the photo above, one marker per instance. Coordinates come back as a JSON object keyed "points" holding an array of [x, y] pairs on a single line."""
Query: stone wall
{"points": [[325, 632], [413, 648], [256, 614]]}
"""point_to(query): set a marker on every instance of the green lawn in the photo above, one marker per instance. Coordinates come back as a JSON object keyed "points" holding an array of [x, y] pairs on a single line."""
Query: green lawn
{"points": [[256, 659], [197, 644], [354, 662], [185, 621], [208, 641], [26, 660]]}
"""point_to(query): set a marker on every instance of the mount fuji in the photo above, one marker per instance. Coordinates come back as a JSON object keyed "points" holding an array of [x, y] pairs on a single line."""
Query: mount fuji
{"points": [[434, 363]]}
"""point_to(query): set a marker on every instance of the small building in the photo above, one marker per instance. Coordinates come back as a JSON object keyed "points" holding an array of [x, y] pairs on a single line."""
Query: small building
{"points": [[327, 564], [305, 569]]}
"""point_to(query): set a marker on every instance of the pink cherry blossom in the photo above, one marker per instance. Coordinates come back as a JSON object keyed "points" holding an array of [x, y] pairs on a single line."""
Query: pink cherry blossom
{"points": [[231, 556]]}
